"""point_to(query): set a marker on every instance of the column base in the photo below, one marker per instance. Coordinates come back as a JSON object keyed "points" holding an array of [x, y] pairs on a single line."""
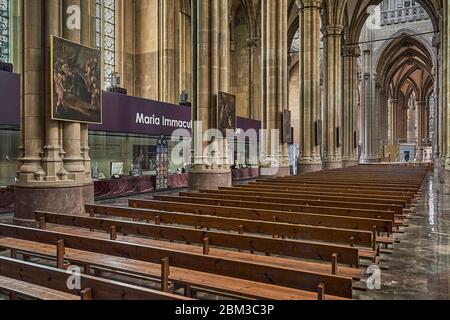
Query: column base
{"points": [[349, 163], [439, 167], [274, 172], [446, 181], [308, 168], [199, 180], [332, 165], [69, 200], [371, 161]]}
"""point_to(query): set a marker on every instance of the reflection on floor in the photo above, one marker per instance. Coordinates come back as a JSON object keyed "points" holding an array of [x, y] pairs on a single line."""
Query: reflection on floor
{"points": [[420, 265]]}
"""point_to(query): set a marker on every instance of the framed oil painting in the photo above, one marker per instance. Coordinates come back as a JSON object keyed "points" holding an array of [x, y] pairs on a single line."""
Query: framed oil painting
{"points": [[76, 94], [226, 112]]}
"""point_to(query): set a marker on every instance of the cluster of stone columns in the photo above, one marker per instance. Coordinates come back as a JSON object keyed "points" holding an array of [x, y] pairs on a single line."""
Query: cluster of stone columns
{"points": [[351, 55], [211, 51], [336, 130], [54, 166], [310, 95], [274, 91]]}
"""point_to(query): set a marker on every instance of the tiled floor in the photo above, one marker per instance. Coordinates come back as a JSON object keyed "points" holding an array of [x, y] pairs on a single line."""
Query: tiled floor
{"points": [[419, 267]]}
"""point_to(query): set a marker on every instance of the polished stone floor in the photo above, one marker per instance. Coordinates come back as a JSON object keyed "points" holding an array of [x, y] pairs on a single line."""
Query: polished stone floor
{"points": [[419, 267]]}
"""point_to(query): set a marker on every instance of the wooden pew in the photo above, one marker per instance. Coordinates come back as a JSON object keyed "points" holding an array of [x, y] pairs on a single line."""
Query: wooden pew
{"points": [[341, 191], [298, 201], [178, 278], [15, 288], [178, 218], [92, 287], [326, 196], [289, 248], [174, 202], [386, 185], [240, 238], [307, 186], [296, 279], [205, 214]]}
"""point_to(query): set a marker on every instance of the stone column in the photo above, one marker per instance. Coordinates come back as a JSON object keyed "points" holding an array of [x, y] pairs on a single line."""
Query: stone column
{"points": [[211, 51], [274, 95], [333, 99], [394, 134], [383, 129], [43, 183], [310, 96], [444, 161], [350, 61], [88, 34], [73, 161], [421, 122], [168, 86]]}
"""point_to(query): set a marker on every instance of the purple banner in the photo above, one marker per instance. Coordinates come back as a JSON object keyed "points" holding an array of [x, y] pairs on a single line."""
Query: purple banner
{"points": [[128, 114], [9, 99], [121, 113]]}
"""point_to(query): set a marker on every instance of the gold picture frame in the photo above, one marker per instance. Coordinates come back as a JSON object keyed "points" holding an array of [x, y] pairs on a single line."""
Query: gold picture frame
{"points": [[75, 82]]}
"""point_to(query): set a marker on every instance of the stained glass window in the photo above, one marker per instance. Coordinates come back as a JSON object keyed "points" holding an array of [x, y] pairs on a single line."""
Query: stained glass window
{"points": [[4, 31], [106, 36]]}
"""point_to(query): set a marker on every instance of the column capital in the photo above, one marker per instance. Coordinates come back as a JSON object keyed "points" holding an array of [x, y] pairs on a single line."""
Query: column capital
{"points": [[332, 30], [314, 4]]}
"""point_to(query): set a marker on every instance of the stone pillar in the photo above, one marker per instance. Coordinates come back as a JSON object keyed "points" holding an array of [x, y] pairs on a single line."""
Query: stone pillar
{"points": [[43, 182], [73, 161], [421, 122], [211, 51], [88, 34], [333, 103], [310, 95], [350, 149], [383, 120], [168, 86], [370, 112], [184, 47], [274, 153], [444, 174], [394, 127]]}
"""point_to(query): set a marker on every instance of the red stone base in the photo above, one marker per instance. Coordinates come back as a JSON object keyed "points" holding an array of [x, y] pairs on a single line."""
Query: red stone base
{"points": [[60, 200], [307, 168], [446, 185], [332, 165], [210, 181], [349, 163], [275, 172]]}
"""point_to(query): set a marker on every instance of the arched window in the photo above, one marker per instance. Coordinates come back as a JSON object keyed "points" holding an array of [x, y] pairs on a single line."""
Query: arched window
{"points": [[5, 55], [106, 36]]}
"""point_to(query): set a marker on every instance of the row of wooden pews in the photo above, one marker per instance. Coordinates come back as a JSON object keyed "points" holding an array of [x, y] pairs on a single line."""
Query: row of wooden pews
{"points": [[305, 237]]}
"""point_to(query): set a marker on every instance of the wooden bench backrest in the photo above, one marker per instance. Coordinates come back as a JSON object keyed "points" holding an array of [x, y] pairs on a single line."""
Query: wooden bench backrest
{"points": [[296, 279], [57, 279]]}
